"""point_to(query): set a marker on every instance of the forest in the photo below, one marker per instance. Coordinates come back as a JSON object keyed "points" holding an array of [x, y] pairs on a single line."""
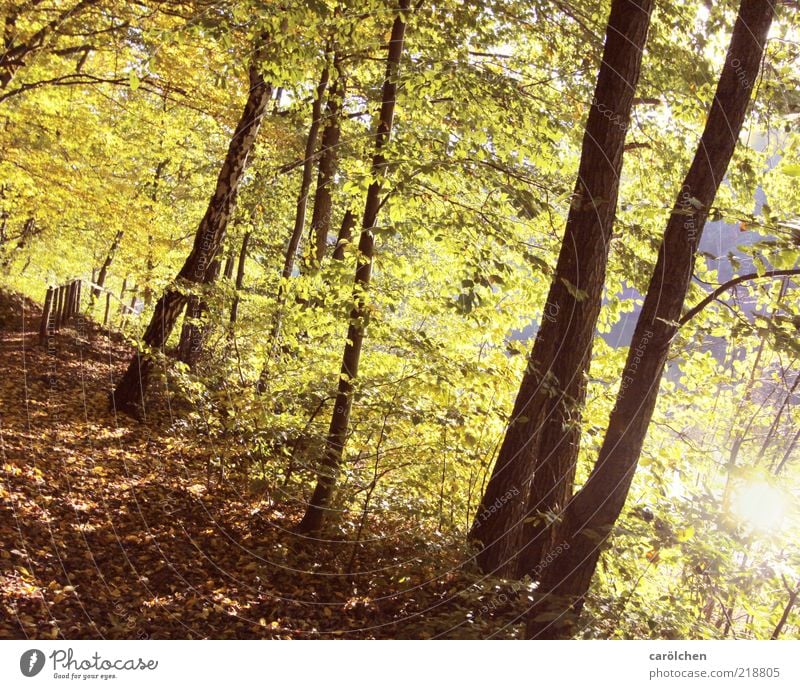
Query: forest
{"points": [[400, 319]]}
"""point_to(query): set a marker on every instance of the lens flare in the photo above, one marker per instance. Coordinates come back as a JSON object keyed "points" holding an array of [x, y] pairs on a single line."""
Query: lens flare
{"points": [[760, 505]]}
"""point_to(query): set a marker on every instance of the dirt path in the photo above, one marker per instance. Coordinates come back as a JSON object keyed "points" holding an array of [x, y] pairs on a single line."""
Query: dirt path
{"points": [[109, 529]]}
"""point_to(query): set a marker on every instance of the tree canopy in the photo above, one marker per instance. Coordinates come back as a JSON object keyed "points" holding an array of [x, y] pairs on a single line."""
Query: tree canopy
{"points": [[430, 288]]}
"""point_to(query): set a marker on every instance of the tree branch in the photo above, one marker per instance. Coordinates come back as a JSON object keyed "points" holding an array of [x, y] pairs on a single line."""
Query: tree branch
{"points": [[691, 313]]}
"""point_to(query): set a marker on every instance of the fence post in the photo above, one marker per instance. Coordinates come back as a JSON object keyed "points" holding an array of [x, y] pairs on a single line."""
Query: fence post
{"points": [[69, 299], [46, 310], [73, 302], [108, 306], [59, 308]]}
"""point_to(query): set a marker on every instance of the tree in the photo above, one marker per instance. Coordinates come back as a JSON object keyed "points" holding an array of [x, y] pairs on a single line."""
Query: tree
{"points": [[536, 464], [319, 506], [239, 279], [329, 151], [18, 48], [589, 518], [103, 273], [194, 332], [309, 157], [208, 239]]}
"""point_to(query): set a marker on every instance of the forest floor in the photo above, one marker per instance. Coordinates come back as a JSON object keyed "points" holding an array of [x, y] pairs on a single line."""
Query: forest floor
{"points": [[112, 528]]}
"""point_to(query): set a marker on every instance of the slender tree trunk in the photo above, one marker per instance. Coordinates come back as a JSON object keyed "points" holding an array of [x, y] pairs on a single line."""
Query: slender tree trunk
{"points": [[329, 150], [345, 235], [308, 174], [787, 610], [239, 278], [299, 224], [773, 427], [318, 509], [591, 515], [788, 454], [103, 274], [29, 230], [150, 261], [229, 262], [541, 442], [3, 220], [208, 239]]}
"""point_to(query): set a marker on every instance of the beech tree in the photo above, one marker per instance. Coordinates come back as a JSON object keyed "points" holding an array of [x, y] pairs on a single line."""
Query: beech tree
{"points": [[128, 394], [328, 156], [535, 467], [497, 177], [319, 505], [589, 518]]}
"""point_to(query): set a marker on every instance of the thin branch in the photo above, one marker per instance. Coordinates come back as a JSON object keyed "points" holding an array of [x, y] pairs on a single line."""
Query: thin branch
{"points": [[732, 283]]}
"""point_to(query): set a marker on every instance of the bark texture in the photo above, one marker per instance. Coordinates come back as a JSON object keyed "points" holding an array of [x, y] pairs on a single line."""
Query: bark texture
{"points": [[589, 518], [535, 468], [328, 160], [128, 395]]}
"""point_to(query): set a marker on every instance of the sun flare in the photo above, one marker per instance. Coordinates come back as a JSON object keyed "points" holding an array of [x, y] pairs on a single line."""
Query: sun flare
{"points": [[760, 505]]}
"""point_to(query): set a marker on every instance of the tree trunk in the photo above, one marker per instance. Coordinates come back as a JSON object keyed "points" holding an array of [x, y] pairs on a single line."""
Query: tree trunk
{"points": [[150, 261], [193, 333], [787, 610], [345, 235], [103, 274], [319, 506], [589, 518], [321, 215], [239, 278], [788, 454], [28, 232], [308, 174], [297, 230], [229, 261], [535, 467], [208, 239]]}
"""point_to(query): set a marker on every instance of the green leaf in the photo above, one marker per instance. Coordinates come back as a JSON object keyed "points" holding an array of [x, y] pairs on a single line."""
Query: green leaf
{"points": [[577, 293], [790, 169]]}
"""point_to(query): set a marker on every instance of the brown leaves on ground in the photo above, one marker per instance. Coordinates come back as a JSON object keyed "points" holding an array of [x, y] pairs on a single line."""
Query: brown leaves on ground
{"points": [[111, 528]]}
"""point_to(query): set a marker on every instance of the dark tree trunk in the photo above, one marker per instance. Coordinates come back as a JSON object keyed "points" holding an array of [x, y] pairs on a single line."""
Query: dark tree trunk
{"points": [[103, 274], [319, 507], [590, 516], [208, 239], [535, 467], [345, 235], [787, 610], [194, 333], [329, 150], [305, 183], [229, 262], [29, 231], [150, 261], [46, 325], [239, 278]]}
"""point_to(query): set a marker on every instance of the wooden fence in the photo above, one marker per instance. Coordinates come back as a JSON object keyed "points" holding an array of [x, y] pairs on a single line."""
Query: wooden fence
{"points": [[63, 302]]}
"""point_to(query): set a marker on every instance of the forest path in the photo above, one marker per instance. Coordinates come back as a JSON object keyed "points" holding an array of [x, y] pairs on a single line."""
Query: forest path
{"points": [[110, 529]]}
